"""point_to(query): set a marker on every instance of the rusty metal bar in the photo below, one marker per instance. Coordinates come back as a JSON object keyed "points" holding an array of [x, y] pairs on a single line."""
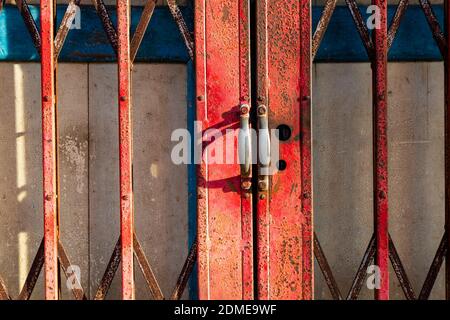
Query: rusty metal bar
{"points": [[33, 274], [49, 150], [185, 273], [64, 27], [3, 291], [110, 272], [434, 268], [322, 26], [399, 13], [142, 27], [107, 24], [29, 23], [361, 27], [358, 281], [433, 22], [182, 26], [379, 75], [400, 272], [326, 270], [125, 149], [307, 234], [147, 271], [77, 289]]}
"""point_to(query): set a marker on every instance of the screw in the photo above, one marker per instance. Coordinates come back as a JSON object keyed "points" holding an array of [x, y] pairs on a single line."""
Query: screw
{"points": [[48, 197], [262, 185], [262, 196], [245, 108], [246, 185], [123, 98], [46, 98], [262, 110], [125, 197]]}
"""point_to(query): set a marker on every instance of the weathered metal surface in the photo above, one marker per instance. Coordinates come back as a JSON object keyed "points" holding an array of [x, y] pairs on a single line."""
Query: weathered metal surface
{"points": [[64, 27], [224, 220], [49, 151], [322, 26], [3, 291], [380, 152], [33, 274], [433, 22], [326, 270], [76, 289], [285, 237], [29, 23], [186, 271], [361, 26], [400, 272], [182, 26], [147, 271], [110, 272], [435, 267], [358, 281], [107, 24], [125, 149], [142, 27], [395, 23]]}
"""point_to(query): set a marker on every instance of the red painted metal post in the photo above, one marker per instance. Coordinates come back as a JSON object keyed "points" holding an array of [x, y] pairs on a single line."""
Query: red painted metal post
{"points": [[284, 217], [225, 249], [49, 145], [125, 148], [380, 151]]}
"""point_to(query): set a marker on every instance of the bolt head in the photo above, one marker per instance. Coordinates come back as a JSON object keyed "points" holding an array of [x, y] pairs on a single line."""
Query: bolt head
{"points": [[262, 110]]}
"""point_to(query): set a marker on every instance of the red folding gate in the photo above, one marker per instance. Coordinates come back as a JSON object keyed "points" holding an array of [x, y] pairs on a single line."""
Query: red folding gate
{"points": [[280, 190], [255, 232]]}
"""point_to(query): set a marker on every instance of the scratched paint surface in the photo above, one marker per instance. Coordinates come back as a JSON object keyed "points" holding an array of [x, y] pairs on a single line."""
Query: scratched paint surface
{"points": [[284, 213], [224, 232]]}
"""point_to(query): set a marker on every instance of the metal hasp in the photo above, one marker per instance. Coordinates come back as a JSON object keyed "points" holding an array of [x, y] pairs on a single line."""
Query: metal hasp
{"points": [[225, 236], [284, 212], [125, 148], [49, 151]]}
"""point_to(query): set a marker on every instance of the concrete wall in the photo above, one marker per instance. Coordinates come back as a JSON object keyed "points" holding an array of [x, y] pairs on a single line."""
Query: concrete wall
{"points": [[89, 162]]}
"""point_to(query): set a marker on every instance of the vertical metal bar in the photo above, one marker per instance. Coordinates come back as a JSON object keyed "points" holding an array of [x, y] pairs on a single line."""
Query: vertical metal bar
{"points": [[284, 218], [49, 150], [125, 149], [246, 192], [262, 206], [224, 211], [306, 151], [380, 152], [447, 147]]}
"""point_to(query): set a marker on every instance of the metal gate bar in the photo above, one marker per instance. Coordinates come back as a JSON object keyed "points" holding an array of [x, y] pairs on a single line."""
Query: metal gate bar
{"points": [[125, 149], [380, 152], [49, 152]]}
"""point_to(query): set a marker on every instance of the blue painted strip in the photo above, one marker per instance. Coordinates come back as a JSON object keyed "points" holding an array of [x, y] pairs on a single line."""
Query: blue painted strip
{"points": [[414, 40], [163, 42], [192, 175]]}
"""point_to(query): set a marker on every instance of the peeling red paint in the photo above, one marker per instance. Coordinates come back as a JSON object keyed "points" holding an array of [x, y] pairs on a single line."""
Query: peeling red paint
{"points": [[125, 149], [284, 217]]}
